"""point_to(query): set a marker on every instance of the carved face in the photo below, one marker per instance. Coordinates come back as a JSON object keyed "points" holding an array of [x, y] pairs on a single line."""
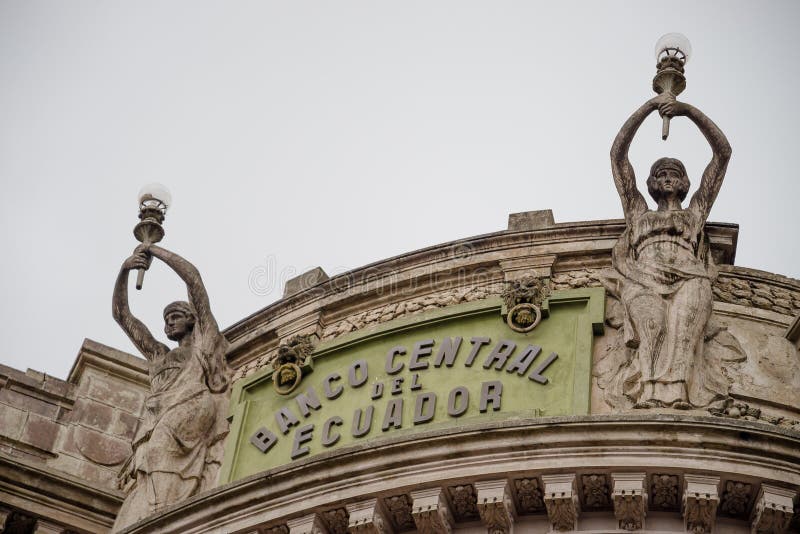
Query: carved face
{"points": [[177, 325], [668, 183]]}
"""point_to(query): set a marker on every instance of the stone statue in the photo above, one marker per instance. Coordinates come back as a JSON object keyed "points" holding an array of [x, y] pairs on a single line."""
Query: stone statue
{"points": [[178, 448], [663, 270]]}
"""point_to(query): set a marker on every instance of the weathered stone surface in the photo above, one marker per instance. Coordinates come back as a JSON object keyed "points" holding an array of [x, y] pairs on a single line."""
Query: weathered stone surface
{"points": [[93, 414], [773, 510], [304, 281], [431, 511], [561, 500], [28, 403], [630, 500], [700, 501], [495, 506], [40, 432], [100, 448], [530, 220]]}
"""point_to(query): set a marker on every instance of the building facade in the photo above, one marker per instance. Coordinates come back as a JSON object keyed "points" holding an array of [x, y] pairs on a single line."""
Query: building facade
{"points": [[471, 386]]}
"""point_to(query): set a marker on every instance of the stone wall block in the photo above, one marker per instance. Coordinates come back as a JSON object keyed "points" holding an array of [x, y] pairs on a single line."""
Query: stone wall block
{"points": [[28, 403], [125, 425], [92, 414], [12, 421], [561, 501], [40, 432], [700, 501], [118, 393], [773, 510], [496, 506], [431, 511], [369, 517], [630, 499], [309, 524]]}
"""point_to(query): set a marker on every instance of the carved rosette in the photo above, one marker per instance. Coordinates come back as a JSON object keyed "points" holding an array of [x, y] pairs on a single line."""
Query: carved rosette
{"points": [[309, 524], [464, 501], [431, 512], [529, 495], [368, 517], [664, 491], [700, 500], [735, 498], [336, 520], [630, 500], [561, 501], [495, 506], [773, 511], [595, 492]]}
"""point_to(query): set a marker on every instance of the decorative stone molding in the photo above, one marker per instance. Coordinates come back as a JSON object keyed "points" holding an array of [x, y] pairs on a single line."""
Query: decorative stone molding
{"points": [[736, 497], [464, 501], [529, 495], [630, 500], [4, 513], [280, 529], [700, 500], [595, 492], [399, 508], [664, 492], [773, 510], [369, 517], [735, 409], [431, 512], [410, 307], [495, 506], [576, 279], [336, 520], [781, 295], [561, 501], [309, 524]]}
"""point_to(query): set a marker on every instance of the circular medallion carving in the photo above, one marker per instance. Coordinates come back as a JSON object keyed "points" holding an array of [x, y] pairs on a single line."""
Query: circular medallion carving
{"points": [[286, 378], [524, 317]]}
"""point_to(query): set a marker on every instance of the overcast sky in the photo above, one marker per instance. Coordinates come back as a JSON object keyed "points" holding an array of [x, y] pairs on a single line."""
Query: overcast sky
{"points": [[297, 134]]}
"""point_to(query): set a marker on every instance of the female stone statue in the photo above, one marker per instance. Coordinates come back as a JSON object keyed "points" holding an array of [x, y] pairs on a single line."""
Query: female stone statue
{"points": [[177, 449], [663, 268]]}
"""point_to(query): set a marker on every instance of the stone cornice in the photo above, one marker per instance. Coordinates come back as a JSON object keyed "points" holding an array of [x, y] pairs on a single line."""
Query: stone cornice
{"points": [[71, 501], [649, 443], [566, 241]]}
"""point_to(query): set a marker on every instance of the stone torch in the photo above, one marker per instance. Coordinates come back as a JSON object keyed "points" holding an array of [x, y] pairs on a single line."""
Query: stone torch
{"points": [[154, 199], [672, 53]]}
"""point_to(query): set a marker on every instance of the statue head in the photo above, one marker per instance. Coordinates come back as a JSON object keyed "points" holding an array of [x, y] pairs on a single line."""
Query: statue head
{"points": [[179, 319], [668, 177]]}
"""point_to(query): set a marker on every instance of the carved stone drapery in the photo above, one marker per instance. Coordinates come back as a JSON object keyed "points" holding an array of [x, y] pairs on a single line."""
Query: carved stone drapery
{"points": [[431, 512], [773, 510], [630, 500], [700, 500], [495, 506], [369, 517], [561, 501], [309, 524]]}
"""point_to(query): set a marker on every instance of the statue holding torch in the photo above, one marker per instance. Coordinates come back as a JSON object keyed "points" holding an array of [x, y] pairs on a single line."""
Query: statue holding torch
{"points": [[177, 449]]}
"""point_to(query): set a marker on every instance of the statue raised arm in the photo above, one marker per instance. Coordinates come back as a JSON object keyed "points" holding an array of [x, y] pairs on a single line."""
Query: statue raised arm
{"points": [[177, 448], [662, 269]]}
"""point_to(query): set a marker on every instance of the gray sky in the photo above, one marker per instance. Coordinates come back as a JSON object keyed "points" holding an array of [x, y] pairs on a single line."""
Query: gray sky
{"points": [[296, 134]]}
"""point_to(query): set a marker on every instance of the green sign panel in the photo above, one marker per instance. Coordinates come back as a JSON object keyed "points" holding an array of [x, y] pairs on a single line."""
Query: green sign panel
{"points": [[456, 366]]}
